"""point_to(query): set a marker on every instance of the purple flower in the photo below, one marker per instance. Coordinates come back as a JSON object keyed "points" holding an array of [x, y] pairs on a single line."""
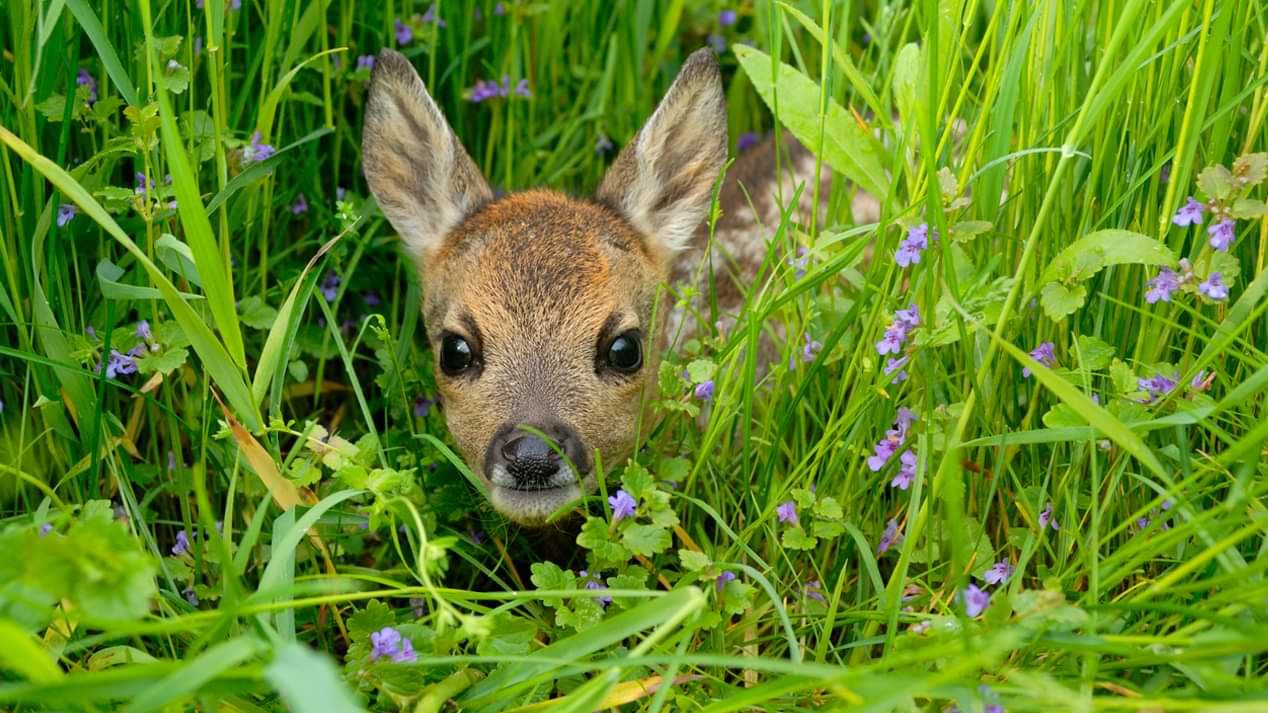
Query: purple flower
{"points": [[1157, 386], [1198, 383], [65, 213], [1042, 354], [300, 206], [1161, 287], [747, 140], [404, 33], [521, 89], [896, 365], [889, 538], [46, 528], [1214, 287], [417, 606], [917, 241], [1221, 235], [84, 79], [257, 151], [143, 184], [602, 145], [622, 505], [894, 437], [1045, 517], [431, 17], [143, 330], [366, 62], [120, 364], [892, 342], [182, 543], [726, 576], [810, 348], [787, 512], [1189, 214], [906, 471], [422, 405], [389, 642], [975, 600], [340, 193], [592, 584], [798, 264], [191, 596], [999, 573], [330, 287], [717, 42], [499, 9], [726, 18], [814, 590], [198, 47], [371, 299], [704, 390]]}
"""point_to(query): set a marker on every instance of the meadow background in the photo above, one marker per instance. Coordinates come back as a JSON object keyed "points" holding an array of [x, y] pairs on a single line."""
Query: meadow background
{"points": [[1024, 472]]}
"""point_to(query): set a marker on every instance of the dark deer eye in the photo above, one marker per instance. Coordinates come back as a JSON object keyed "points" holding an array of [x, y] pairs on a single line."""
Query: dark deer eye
{"points": [[455, 354], [626, 353]]}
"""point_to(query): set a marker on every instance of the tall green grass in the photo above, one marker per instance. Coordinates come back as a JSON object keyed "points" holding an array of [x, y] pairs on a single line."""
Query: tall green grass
{"points": [[228, 527]]}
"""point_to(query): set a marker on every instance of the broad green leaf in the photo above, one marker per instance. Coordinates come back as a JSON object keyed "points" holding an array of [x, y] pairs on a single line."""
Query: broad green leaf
{"points": [[847, 145], [1217, 182], [645, 540], [19, 652], [1060, 301], [1251, 168], [178, 257], [693, 561], [1115, 247], [108, 275], [188, 679], [1095, 354], [911, 87], [861, 84]]}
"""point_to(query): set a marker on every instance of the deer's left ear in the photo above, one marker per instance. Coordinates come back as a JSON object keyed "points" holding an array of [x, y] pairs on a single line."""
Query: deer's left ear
{"points": [[662, 181]]}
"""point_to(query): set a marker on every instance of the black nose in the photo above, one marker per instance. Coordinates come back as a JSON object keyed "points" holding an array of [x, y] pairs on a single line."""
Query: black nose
{"points": [[532, 457]]}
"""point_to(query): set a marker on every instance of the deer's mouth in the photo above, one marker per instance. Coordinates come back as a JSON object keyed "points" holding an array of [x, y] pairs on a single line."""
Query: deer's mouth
{"points": [[532, 502]]}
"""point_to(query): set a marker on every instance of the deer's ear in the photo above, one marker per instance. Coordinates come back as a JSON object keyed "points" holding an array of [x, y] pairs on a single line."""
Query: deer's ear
{"points": [[662, 180], [420, 174]]}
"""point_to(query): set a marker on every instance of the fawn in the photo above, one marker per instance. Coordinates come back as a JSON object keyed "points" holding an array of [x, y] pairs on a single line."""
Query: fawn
{"points": [[539, 307]]}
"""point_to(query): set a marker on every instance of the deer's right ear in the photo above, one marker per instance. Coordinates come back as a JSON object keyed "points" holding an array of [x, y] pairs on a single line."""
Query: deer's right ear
{"points": [[419, 172]]}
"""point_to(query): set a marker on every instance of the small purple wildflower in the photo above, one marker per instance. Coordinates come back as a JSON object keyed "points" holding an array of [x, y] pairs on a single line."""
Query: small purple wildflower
{"points": [[1142, 522], [1221, 234], [592, 584], [191, 596], [787, 512], [1164, 174], [84, 79], [896, 365], [810, 348], [300, 206], [999, 573], [798, 264], [717, 42], [906, 471], [431, 16], [1161, 287], [422, 405], [814, 590], [1042, 354], [499, 9], [917, 242], [704, 390], [521, 89], [198, 47], [889, 538], [389, 642], [1199, 383], [404, 33], [726, 576], [1166, 504], [894, 437], [602, 145], [182, 543], [143, 184], [371, 299], [1189, 214], [120, 364], [896, 333], [1214, 287], [975, 600], [66, 212], [366, 62], [622, 505], [257, 150], [746, 141], [143, 330], [726, 18], [45, 529], [340, 193], [1046, 517], [1157, 386], [330, 287]]}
